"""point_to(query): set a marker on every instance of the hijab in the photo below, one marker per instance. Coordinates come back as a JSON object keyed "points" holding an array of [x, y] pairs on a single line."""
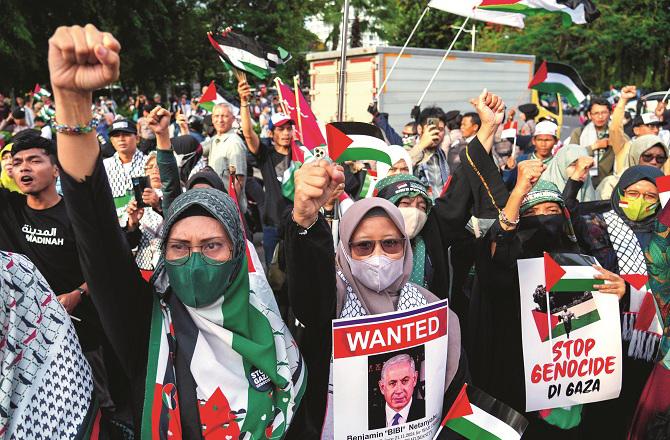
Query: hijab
{"points": [[373, 302], [39, 354], [396, 153], [5, 180], [557, 174], [632, 175], [188, 152], [640, 144], [237, 369]]}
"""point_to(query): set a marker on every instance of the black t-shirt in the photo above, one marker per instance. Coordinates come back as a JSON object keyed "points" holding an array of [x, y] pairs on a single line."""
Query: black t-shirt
{"points": [[46, 238], [273, 165]]}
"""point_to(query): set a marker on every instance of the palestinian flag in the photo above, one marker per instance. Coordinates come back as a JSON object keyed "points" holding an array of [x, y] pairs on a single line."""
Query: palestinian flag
{"points": [[247, 54], [510, 130], [39, 93], [560, 78], [356, 141], [468, 8], [477, 416], [211, 97], [47, 113], [575, 11], [663, 185], [369, 184], [567, 273], [513, 12]]}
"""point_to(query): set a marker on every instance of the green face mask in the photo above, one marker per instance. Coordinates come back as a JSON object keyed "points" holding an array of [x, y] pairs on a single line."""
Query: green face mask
{"points": [[637, 209], [199, 282]]}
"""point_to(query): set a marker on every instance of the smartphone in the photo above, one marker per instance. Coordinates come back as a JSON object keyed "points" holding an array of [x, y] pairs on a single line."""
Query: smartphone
{"points": [[432, 121], [139, 184]]}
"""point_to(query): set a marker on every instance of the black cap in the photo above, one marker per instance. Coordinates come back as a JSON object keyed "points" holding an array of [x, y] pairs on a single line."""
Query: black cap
{"points": [[451, 114], [18, 113], [206, 175], [530, 110], [122, 126]]}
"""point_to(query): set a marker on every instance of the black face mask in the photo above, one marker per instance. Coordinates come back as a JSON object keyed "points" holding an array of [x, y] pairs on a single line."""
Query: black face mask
{"points": [[544, 233]]}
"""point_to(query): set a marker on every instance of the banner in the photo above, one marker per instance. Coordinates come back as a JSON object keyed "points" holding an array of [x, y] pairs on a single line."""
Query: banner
{"points": [[572, 354], [388, 374]]}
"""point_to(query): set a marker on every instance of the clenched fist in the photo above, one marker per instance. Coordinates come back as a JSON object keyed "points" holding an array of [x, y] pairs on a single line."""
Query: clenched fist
{"points": [[83, 59], [315, 182]]}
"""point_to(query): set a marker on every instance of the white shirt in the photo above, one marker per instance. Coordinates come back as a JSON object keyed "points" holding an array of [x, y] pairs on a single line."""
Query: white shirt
{"points": [[390, 414]]}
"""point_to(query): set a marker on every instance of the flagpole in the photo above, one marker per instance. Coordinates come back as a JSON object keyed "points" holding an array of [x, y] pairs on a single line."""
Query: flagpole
{"points": [[666, 95], [343, 61], [402, 51], [444, 58], [438, 432], [296, 84]]}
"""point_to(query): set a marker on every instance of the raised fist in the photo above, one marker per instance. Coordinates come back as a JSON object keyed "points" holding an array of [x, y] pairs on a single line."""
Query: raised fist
{"points": [[83, 59], [159, 120], [528, 174], [490, 108], [315, 183]]}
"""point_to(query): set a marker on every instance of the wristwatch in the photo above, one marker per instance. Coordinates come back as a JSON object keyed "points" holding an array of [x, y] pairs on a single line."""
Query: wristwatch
{"points": [[81, 291]]}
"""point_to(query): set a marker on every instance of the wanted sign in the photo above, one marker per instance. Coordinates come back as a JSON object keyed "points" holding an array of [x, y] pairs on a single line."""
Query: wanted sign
{"points": [[570, 333], [388, 374]]}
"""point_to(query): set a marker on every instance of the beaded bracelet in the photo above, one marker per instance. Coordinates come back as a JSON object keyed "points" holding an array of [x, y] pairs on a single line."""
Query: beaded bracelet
{"points": [[76, 129]]}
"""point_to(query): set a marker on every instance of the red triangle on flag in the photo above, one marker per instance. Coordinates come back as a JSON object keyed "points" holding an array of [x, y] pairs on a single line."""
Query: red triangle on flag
{"points": [[461, 406], [636, 280], [37, 88], [552, 272], [210, 93], [337, 142], [540, 75], [541, 323]]}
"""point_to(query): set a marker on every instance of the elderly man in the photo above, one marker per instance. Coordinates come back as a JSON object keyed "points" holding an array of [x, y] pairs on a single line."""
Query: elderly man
{"points": [[399, 378], [227, 152]]}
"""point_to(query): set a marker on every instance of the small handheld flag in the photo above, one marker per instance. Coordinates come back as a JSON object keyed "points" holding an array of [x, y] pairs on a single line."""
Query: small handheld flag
{"points": [[560, 78], [476, 415], [247, 54], [356, 141]]}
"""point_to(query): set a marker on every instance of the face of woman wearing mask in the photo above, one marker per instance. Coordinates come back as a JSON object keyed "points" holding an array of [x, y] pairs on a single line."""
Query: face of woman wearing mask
{"points": [[546, 208], [640, 200], [377, 236], [414, 213]]}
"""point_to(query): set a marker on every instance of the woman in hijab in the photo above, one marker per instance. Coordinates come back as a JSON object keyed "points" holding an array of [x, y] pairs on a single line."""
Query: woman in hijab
{"points": [[648, 149], [402, 163], [188, 152], [202, 343], [369, 274], [563, 166], [533, 221], [629, 240], [6, 179], [46, 384]]}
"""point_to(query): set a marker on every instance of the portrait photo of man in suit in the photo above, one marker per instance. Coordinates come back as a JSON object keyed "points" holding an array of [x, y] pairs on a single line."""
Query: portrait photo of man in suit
{"points": [[399, 377]]}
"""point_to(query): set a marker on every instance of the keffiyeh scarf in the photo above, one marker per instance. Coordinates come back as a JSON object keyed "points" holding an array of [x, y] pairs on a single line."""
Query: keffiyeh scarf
{"points": [[121, 182], [46, 385]]}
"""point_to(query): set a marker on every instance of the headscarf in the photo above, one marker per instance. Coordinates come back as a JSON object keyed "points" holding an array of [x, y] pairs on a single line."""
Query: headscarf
{"points": [[641, 144], [545, 233], [371, 301], [632, 175], [188, 152], [6, 181], [557, 174], [393, 188], [46, 384], [249, 376], [397, 153]]}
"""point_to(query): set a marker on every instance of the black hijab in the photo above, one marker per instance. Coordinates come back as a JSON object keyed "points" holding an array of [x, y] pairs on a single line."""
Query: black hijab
{"points": [[189, 152]]}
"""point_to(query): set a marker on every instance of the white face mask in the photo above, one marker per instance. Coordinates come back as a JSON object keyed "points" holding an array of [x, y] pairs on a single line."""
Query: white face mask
{"points": [[415, 219], [377, 272]]}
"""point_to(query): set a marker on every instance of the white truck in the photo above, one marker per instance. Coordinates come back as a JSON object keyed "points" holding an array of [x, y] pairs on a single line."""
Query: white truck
{"points": [[462, 76]]}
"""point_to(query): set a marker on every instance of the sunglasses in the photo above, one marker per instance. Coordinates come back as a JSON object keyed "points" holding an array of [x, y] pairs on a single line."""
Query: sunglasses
{"points": [[647, 157], [364, 248]]}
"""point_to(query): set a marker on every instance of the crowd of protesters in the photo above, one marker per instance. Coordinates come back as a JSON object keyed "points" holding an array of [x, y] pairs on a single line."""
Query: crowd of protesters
{"points": [[169, 239]]}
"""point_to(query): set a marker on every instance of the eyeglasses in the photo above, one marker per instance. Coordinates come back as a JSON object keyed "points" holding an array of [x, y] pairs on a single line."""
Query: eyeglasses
{"points": [[364, 248], [648, 157], [649, 197], [214, 252]]}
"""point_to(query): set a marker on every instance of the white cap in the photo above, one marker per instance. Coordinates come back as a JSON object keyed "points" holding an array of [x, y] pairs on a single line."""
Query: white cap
{"points": [[546, 127], [650, 118]]}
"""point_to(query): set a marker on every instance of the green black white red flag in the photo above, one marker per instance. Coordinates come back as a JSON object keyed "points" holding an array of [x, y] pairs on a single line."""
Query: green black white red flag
{"points": [[477, 416], [560, 78], [247, 54], [356, 141]]}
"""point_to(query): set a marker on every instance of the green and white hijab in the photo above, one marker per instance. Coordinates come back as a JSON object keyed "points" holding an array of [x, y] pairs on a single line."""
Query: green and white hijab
{"points": [[248, 374]]}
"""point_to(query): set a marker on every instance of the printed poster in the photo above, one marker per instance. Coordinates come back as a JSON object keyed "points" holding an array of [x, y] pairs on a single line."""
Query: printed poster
{"points": [[571, 333], [388, 374]]}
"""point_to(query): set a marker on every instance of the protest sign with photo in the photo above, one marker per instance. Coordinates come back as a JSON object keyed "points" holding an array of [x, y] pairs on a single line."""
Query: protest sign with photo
{"points": [[570, 354], [388, 374]]}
